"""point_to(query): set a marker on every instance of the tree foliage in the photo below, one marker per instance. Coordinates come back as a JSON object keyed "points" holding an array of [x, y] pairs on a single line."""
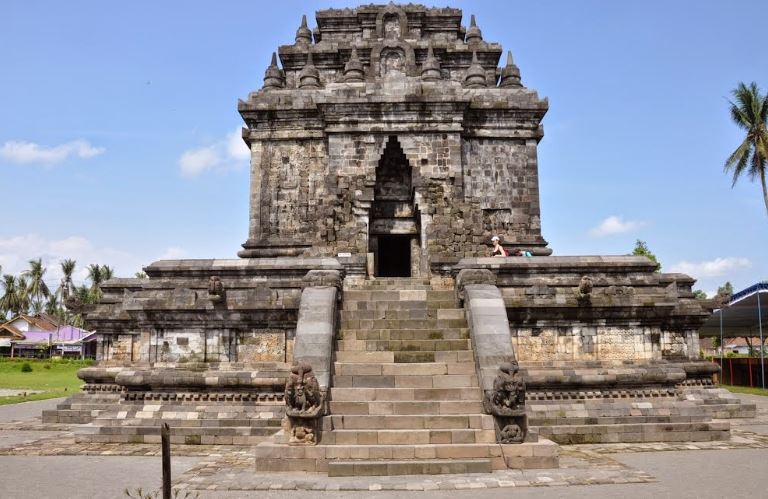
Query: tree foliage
{"points": [[28, 293], [749, 112], [641, 249], [726, 289]]}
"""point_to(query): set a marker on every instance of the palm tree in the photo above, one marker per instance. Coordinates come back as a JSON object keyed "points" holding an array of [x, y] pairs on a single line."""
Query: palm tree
{"points": [[83, 294], [9, 302], [106, 272], [52, 306], [22, 290], [37, 287], [96, 275], [67, 269], [750, 113]]}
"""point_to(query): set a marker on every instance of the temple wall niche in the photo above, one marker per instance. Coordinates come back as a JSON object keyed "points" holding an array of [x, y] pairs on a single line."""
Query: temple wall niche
{"points": [[677, 345], [119, 347]]}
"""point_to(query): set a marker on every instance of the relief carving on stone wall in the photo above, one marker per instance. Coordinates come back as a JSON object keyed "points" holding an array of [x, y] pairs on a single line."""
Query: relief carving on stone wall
{"points": [[392, 26], [304, 405], [392, 62]]}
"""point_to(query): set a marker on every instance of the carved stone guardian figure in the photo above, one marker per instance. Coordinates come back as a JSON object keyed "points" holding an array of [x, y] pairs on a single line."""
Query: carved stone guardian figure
{"points": [[584, 294], [215, 289], [507, 404], [304, 405]]}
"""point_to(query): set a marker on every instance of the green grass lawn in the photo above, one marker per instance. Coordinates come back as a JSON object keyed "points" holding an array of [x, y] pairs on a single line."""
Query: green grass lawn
{"points": [[745, 389], [56, 378]]}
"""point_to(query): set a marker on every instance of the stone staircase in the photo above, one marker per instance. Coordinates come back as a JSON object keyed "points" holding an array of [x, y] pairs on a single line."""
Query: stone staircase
{"points": [[236, 413], [222, 423], [81, 408], [405, 398]]}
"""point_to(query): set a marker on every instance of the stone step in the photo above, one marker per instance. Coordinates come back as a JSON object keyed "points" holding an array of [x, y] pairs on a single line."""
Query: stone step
{"points": [[409, 467], [414, 369], [433, 407], [403, 313], [544, 421], [189, 423], [412, 422], [271, 456], [408, 381], [408, 437], [246, 440], [404, 357], [402, 345], [405, 334], [631, 433], [154, 429], [395, 295], [404, 394], [366, 324], [70, 416], [397, 283], [428, 305]]}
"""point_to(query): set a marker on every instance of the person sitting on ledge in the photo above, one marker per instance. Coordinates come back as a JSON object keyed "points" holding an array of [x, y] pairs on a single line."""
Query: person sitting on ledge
{"points": [[498, 249]]}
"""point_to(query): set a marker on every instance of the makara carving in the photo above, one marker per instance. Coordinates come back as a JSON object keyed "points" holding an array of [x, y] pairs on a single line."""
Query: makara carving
{"points": [[304, 405], [507, 404]]}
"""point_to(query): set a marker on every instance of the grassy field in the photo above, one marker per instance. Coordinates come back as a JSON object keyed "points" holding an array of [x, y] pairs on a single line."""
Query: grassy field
{"points": [[56, 378], [745, 389]]}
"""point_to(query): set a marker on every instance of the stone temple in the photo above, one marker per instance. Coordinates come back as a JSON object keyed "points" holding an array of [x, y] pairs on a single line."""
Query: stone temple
{"points": [[365, 329]]}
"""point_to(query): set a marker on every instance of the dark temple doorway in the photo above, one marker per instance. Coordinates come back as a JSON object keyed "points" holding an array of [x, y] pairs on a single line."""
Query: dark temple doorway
{"points": [[394, 229], [394, 254]]}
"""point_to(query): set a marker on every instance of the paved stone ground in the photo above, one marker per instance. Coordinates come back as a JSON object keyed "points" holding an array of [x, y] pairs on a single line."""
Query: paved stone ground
{"points": [[657, 470]]}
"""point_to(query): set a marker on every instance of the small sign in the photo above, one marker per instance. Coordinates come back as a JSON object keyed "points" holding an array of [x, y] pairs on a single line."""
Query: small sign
{"points": [[344, 255]]}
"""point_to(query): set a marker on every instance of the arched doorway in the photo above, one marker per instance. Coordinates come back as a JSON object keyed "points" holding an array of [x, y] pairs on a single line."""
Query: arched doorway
{"points": [[394, 230]]}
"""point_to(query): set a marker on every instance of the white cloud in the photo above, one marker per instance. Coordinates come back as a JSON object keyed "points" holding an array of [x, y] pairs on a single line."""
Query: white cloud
{"points": [[28, 152], [229, 153], [16, 251], [236, 147], [196, 161], [615, 225], [174, 253], [712, 268]]}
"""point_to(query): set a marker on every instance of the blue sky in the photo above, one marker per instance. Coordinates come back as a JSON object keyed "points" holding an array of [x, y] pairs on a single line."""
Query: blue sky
{"points": [[117, 118]]}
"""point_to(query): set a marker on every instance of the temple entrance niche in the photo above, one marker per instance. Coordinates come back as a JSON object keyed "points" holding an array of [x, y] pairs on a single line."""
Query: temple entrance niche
{"points": [[394, 229]]}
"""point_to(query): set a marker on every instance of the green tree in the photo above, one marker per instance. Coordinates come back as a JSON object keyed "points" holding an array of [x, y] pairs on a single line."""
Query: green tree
{"points": [[750, 113], [699, 294], [641, 249], [22, 289], [36, 288], [96, 275], [66, 287], [141, 275], [9, 302], [107, 273], [52, 306], [726, 289]]}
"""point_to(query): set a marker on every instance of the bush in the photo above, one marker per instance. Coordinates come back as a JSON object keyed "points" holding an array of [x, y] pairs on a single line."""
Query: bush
{"points": [[26, 367], [47, 366]]}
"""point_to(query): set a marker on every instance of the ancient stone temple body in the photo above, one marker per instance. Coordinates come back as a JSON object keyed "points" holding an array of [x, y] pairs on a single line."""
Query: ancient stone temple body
{"points": [[386, 149]]}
